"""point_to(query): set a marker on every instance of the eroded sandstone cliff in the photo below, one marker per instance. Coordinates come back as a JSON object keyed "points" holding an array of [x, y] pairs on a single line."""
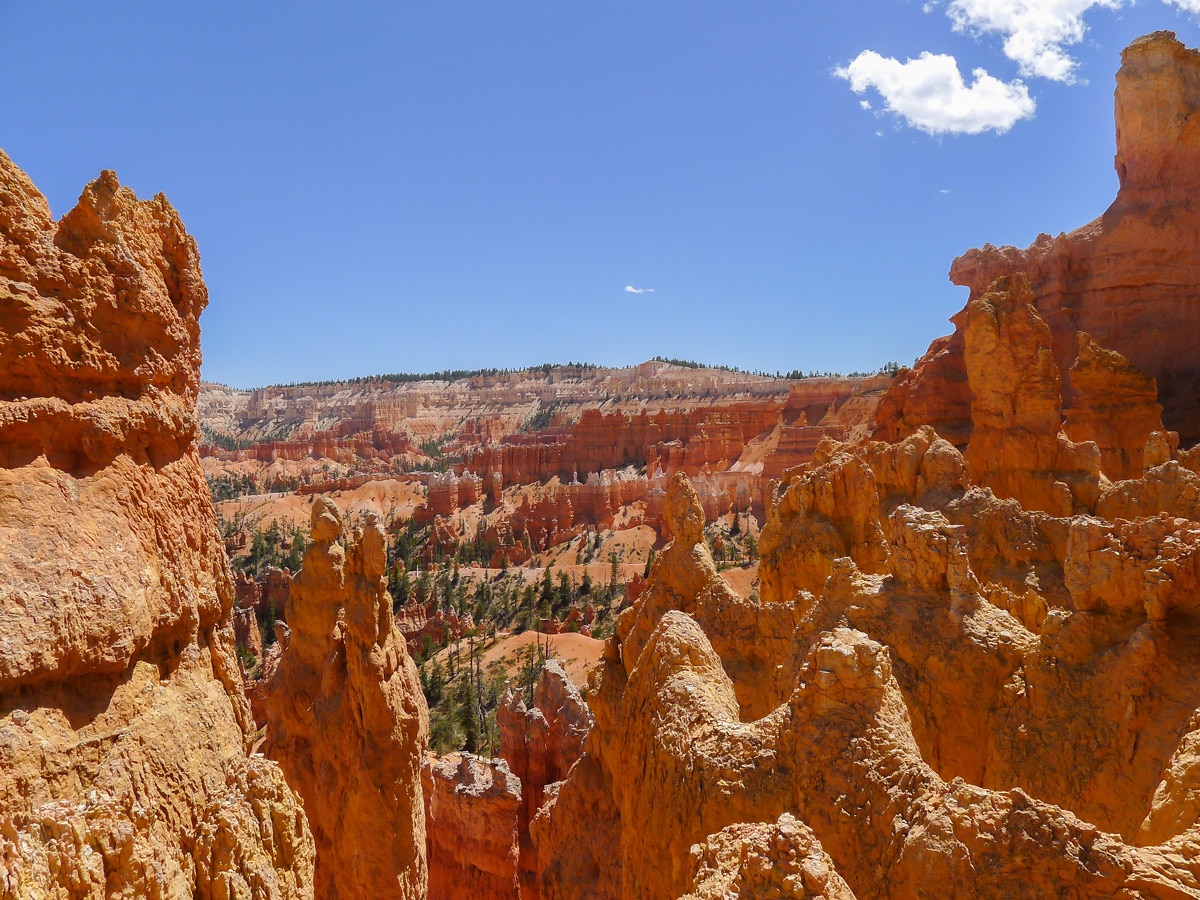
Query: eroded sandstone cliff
{"points": [[123, 727], [1127, 279], [472, 811], [540, 741], [941, 727]]}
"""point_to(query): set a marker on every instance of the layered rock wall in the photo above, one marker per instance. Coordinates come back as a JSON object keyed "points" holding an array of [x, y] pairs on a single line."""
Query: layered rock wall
{"points": [[124, 730], [705, 437]]}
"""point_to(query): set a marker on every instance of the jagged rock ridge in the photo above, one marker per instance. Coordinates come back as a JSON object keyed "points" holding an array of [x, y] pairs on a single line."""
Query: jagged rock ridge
{"points": [[1127, 279], [973, 668]]}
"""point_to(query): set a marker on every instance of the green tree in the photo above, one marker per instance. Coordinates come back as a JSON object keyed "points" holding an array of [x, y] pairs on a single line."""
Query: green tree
{"points": [[399, 585], [649, 563], [535, 659], [268, 624], [424, 585], [751, 547], [467, 701], [565, 594], [443, 737], [435, 684], [546, 597]]}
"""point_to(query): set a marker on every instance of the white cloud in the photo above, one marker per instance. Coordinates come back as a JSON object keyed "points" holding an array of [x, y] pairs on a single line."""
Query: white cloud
{"points": [[630, 289], [930, 94], [1034, 31], [865, 104], [1192, 6], [944, 190]]}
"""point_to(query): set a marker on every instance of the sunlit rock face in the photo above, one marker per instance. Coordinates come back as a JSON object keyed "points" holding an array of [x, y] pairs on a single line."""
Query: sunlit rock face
{"points": [[124, 730], [973, 686], [472, 812], [347, 720], [973, 668]]}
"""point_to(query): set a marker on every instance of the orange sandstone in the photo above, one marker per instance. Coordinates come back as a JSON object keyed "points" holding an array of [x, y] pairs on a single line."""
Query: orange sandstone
{"points": [[1126, 279], [124, 731], [347, 720], [540, 742], [471, 813], [979, 631]]}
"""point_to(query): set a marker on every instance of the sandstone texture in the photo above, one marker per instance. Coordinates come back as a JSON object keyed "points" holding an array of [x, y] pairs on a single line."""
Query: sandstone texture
{"points": [[972, 667], [939, 727], [124, 730], [347, 720], [776, 859]]}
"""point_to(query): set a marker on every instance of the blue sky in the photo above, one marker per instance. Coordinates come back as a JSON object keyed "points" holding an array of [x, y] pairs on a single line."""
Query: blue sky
{"points": [[428, 185]]}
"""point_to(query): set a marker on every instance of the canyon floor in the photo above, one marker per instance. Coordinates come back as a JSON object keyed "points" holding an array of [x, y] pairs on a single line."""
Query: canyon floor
{"points": [[512, 502]]}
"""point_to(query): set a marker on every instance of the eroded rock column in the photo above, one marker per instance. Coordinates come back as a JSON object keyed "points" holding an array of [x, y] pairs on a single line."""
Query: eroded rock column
{"points": [[347, 720]]}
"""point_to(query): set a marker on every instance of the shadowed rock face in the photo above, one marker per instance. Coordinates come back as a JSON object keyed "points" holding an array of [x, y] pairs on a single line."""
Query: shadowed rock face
{"points": [[1126, 279], [478, 812], [347, 720], [973, 671], [472, 811], [123, 726], [540, 743]]}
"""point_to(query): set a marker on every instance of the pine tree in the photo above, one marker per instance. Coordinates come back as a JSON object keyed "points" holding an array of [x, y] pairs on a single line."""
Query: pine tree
{"points": [[546, 597], [649, 563], [467, 700], [564, 592]]}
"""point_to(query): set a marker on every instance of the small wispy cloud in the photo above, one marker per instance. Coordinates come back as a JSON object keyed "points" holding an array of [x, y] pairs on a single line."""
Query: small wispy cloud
{"points": [[630, 289], [944, 190]]}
